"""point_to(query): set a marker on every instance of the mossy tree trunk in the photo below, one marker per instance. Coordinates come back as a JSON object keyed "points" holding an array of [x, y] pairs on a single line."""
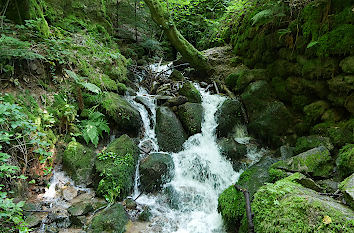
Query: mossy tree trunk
{"points": [[189, 53]]}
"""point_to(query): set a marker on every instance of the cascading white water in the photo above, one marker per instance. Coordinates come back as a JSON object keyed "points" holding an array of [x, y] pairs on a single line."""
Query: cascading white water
{"points": [[189, 203]]}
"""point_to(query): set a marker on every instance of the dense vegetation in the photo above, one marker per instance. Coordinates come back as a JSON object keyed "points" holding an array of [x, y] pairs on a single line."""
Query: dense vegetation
{"points": [[65, 67]]}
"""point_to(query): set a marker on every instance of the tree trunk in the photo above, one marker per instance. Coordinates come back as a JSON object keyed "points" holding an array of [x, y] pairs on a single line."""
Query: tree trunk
{"points": [[189, 53]]}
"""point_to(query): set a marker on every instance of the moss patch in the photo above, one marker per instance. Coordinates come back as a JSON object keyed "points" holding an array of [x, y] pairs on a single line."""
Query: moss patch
{"points": [[345, 160]]}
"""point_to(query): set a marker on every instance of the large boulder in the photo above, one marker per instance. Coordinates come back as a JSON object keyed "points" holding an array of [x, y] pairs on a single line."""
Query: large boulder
{"points": [[345, 160], [111, 220], [308, 142], [191, 116], [287, 206], [169, 130], [316, 162], [231, 202], [78, 161], [229, 115], [188, 90], [126, 117], [155, 170], [347, 188], [116, 167]]}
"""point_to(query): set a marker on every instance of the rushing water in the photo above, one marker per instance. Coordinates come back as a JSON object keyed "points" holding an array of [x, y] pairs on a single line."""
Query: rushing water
{"points": [[189, 202]]}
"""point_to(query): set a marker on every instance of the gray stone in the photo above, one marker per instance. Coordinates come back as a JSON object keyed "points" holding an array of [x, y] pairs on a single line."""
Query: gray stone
{"points": [[191, 116], [347, 188]]}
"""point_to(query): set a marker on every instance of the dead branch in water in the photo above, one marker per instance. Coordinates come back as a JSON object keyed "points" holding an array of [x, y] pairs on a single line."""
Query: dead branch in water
{"points": [[248, 207]]}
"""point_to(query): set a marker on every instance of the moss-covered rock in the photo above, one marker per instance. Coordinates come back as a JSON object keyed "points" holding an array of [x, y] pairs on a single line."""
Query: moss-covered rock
{"points": [[342, 84], [228, 116], [347, 65], [347, 188], [189, 91], [308, 142], [315, 110], [191, 116], [110, 220], [119, 169], [245, 77], [78, 163], [80, 208], [287, 206], [124, 114], [345, 160], [284, 68], [169, 130], [349, 103], [231, 202], [316, 162], [272, 123], [155, 170], [318, 68]]}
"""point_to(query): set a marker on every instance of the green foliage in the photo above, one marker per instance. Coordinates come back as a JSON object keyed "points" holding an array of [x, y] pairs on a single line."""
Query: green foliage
{"points": [[93, 127], [110, 185], [80, 81], [345, 161]]}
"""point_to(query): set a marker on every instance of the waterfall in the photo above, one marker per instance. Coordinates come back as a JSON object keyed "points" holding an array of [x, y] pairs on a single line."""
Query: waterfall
{"points": [[188, 203]]}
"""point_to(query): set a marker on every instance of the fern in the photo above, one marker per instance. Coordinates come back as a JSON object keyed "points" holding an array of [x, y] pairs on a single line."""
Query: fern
{"points": [[275, 10], [93, 128], [13, 48]]}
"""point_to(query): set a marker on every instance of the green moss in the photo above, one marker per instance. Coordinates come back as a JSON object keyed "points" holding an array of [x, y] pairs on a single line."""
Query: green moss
{"points": [[231, 205], [315, 110], [105, 83], [286, 206], [78, 162], [345, 160], [313, 16], [347, 188], [276, 174], [189, 91], [308, 142], [338, 41]]}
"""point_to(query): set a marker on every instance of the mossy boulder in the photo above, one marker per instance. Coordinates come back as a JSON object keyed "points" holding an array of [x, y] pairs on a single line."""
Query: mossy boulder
{"points": [[341, 84], [169, 130], [345, 160], [126, 117], [272, 124], [155, 170], [316, 162], [349, 103], [191, 116], [314, 111], [239, 80], [231, 202], [308, 142], [347, 188], [347, 65], [80, 208], [78, 161], [189, 91], [118, 169], [111, 220], [318, 68], [287, 206], [284, 68], [228, 116]]}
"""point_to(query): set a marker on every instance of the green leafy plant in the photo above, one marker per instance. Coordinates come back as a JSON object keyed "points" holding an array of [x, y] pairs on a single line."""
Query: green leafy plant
{"points": [[93, 128], [81, 81]]}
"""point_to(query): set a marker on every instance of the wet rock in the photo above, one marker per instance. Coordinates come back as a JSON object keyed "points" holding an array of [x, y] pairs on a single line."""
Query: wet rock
{"points": [[191, 116], [161, 99], [329, 185], [155, 170], [69, 193], [80, 208], [112, 219], [169, 131], [126, 117], [126, 149], [60, 218], [347, 65], [347, 188], [232, 149], [229, 115], [316, 162], [78, 163], [345, 160], [308, 142], [286, 152], [188, 90], [273, 203], [145, 216], [176, 101], [35, 219]]}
